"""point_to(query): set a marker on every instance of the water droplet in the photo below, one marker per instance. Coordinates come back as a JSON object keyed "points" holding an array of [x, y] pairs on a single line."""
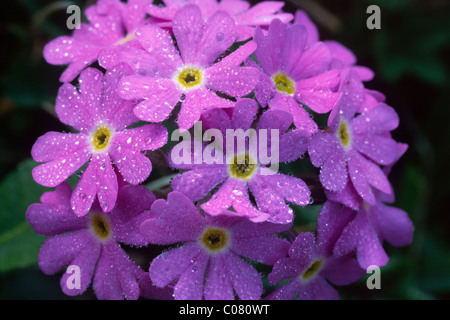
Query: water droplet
{"points": [[220, 36], [237, 192]]}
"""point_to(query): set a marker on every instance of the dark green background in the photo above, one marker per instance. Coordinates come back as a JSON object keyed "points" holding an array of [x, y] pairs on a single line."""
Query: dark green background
{"points": [[410, 55]]}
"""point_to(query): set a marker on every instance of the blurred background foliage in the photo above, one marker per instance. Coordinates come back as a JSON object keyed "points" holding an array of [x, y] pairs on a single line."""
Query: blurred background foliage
{"points": [[410, 56]]}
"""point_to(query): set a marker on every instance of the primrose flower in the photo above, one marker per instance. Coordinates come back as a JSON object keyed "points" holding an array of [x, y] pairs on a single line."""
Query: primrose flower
{"points": [[209, 261], [112, 24], [241, 170], [356, 145], [292, 73], [311, 264], [371, 226], [92, 242], [374, 224], [165, 76], [101, 118], [246, 17], [349, 196]]}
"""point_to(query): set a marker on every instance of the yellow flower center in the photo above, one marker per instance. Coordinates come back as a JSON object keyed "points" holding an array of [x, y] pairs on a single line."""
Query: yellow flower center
{"points": [[284, 84], [214, 239], [101, 138], [343, 134], [100, 226], [190, 77], [312, 270], [242, 167]]}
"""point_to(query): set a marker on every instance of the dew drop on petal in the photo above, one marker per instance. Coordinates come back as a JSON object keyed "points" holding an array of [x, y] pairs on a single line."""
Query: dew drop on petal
{"points": [[220, 36]]}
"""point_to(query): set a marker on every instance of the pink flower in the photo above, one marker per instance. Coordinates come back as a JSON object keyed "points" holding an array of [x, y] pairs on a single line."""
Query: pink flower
{"points": [[356, 145], [375, 223], [349, 196], [208, 262], [229, 183], [92, 243], [165, 76], [311, 264], [246, 17], [102, 118], [371, 226], [111, 24], [292, 72]]}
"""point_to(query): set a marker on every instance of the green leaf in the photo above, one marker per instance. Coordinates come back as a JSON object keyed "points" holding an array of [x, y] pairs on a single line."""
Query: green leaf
{"points": [[19, 244]]}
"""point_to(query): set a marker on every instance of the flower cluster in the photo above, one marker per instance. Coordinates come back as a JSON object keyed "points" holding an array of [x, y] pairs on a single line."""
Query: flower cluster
{"points": [[231, 67]]}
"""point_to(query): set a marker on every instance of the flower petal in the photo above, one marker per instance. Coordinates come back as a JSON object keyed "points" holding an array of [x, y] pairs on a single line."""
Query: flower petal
{"points": [[162, 52], [314, 61], [376, 120], [342, 271], [233, 193], [235, 82], [322, 146], [331, 222], [178, 220], [190, 283], [267, 250], [54, 145], [56, 217], [133, 165], [132, 208], [196, 102], [301, 117], [364, 174], [169, 265], [318, 289], [293, 48], [284, 268], [115, 275], [86, 260], [245, 279], [107, 183], [59, 251], [302, 249], [187, 26], [52, 173], [360, 235], [380, 149], [302, 18], [217, 284], [197, 183], [219, 33], [244, 113], [286, 292], [71, 109], [334, 173], [85, 191], [316, 92], [157, 90], [268, 53], [393, 224]]}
